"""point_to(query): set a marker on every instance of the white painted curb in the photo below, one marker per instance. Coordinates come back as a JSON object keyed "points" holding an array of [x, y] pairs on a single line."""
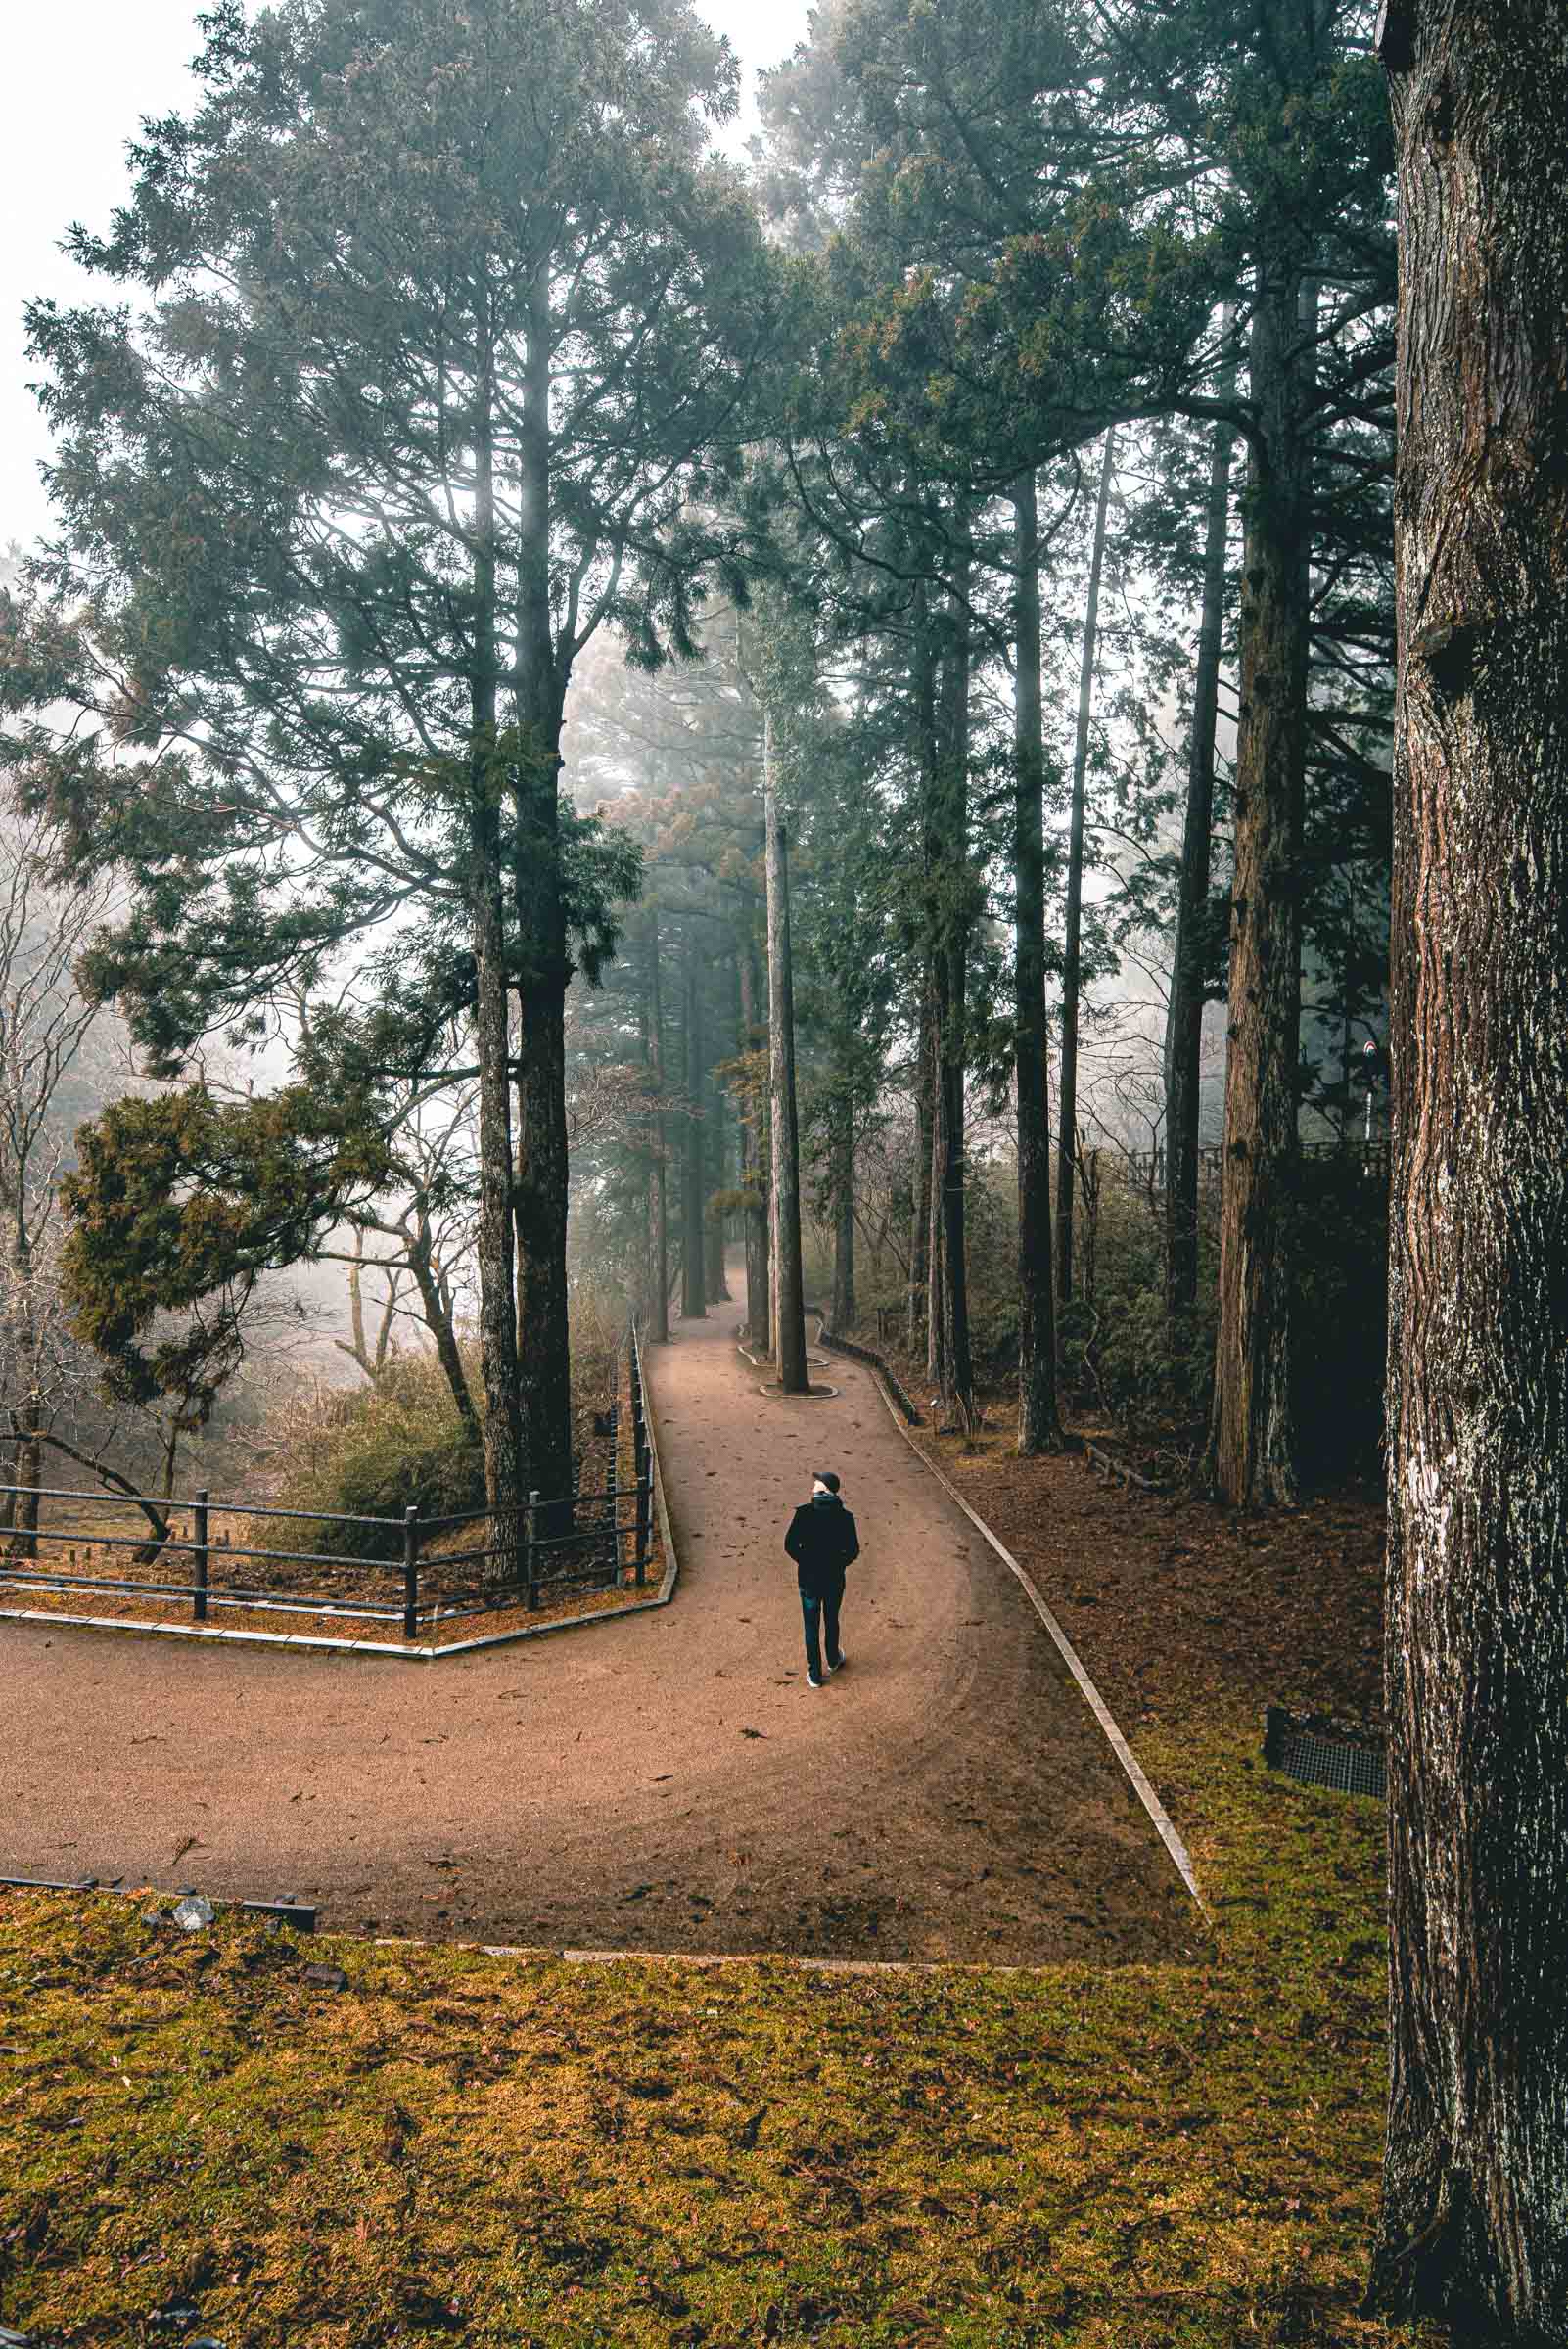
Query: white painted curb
{"points": [[1124, 1753]]}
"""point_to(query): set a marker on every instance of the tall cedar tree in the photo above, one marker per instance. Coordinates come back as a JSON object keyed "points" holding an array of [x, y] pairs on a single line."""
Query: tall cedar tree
{"points": [[1190, 937], [1152, 163], [1040, 1426], [1067, 1154], [448, 310], [1472, 2223]]}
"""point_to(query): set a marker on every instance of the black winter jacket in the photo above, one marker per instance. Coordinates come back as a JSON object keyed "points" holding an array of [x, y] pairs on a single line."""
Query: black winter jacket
{"points": [[822, 1540]]}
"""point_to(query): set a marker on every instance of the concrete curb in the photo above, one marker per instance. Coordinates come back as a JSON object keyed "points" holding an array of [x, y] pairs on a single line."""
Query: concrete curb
{"points": [[1159, 1817], [870, 1359]]}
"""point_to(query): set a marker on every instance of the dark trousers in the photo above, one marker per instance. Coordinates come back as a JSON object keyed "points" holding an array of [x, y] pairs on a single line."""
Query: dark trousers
{"points": [[820, 1610]]}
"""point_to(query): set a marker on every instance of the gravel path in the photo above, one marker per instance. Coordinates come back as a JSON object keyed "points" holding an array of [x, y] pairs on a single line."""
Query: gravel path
{"points": [[669, 1783]]}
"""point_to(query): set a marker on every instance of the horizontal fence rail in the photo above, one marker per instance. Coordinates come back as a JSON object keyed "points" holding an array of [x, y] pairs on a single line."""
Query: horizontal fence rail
{"points": [[1147, 1168], [556, 1547]]}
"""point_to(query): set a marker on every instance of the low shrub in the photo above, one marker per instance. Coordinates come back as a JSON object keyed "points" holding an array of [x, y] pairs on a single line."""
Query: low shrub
{"points": [[375, 1451]]}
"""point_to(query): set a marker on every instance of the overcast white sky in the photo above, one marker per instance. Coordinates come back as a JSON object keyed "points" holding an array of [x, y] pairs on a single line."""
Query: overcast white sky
{"points": [[79, 75]]}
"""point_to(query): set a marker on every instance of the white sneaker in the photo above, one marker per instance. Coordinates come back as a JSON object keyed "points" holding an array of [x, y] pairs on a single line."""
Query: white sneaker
{"points": [[838, 1666], [811, 1680]]}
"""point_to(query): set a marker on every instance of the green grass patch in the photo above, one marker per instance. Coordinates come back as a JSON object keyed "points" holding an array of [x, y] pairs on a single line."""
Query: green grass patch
{"points": [[652, 2155]]}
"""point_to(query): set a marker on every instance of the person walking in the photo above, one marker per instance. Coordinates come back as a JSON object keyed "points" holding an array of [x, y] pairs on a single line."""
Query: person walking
{"points": [[823, 1542]]}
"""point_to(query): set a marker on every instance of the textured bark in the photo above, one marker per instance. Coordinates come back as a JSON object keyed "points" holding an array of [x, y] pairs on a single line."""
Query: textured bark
{"points": [[543, 1347], [843, 1305], [920, 1168], [789, 1310], [544, 1341], [505, 1478], [1072, 983], [28, 1474], [755, 1179], [1039, 1418], [937, 1319], [693, 1263], [1184, 1025], [1251, 1446], [504, 1481], [1474, 2222], [952, 900], [715, 1283], [661, 1164]]}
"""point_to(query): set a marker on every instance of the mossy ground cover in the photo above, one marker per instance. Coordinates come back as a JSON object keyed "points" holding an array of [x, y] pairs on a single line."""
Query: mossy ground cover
{"points": [[664, 2155]]}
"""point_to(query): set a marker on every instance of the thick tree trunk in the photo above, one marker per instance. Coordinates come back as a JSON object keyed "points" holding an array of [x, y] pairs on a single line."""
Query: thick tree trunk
{"points": [[717, 1286], [1184, 1024], [788, 1293], [937, 1317], [755, 1180], [545, 1348], [936, 878], [693, 1258], [1474, 2223], [545, 1344], [920, 1168], [1040, 1426], [951, 899], [1072, 950], [1251, 1444], [660, 1302], [505, 1476], [28, 1422]]}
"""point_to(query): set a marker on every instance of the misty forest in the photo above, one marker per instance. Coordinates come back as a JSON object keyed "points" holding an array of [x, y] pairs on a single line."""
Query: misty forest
{"points": [[832, 787]]}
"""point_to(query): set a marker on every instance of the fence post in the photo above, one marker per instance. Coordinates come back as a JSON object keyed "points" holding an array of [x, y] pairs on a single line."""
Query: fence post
{"points": [[528, 1567], [199, 1534], [411, 1572]]}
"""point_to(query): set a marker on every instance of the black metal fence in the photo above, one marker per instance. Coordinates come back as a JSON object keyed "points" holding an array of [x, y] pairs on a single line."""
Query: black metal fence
{"points": [[527, 1559]]}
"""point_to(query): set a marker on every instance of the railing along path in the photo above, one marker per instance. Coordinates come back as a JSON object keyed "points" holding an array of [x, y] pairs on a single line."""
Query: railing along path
{"points": [[384, 1573]]}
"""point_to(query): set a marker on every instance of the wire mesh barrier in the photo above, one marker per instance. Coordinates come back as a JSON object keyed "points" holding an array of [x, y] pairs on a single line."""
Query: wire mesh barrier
{"points": [[1317, 1751], [417, 1575]]}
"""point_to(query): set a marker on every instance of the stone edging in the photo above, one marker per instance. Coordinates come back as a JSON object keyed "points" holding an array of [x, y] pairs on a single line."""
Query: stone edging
{"points": [[761, 1362], [872, 1362]]}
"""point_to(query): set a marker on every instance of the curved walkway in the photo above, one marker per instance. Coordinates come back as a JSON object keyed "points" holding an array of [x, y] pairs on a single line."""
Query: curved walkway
{"points": [[669, 1783]]}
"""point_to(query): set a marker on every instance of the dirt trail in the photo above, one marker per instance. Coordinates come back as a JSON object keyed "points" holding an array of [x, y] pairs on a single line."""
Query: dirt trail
{"points": [[669, 1783]]}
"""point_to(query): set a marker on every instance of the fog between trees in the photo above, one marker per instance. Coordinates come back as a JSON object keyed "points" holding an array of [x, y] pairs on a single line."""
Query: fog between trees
{"points": [[488, 507]]}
